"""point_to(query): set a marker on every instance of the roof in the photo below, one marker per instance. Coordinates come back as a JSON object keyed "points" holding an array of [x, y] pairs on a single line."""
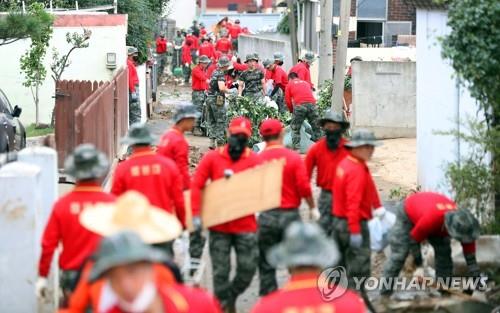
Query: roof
{"points": [[428, 4]]}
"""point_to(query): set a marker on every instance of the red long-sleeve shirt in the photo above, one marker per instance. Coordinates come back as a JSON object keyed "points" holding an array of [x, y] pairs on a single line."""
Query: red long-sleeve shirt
{"points": [[161, 45], [212, 167], [326, 161], [240, 66], [235, 31], [302, 70], [279, 77], [64, 226], [186, 54], [426, 211], [354, 193], [223, 45], [208, 49], [301, 294], [199, 78], [298, 92], [174, 146], [295, 183], [133, 78], [153, 175], [194, 41]]}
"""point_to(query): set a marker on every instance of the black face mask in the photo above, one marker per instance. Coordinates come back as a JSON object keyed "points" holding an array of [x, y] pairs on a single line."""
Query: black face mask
{"points": [[135, 58], [333, 138], [236, 146]]}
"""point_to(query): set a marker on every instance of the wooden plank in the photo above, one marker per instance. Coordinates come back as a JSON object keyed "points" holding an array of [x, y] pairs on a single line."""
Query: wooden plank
{"points": [[245, 193]]}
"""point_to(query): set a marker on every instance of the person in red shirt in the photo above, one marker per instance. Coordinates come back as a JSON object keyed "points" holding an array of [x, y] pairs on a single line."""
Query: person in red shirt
{"points": [[199, 84], [302, 68], [203, 30], [239, 234], [433, 217], [127, 265], [280, 80], [325, 155], [234, 33], [306, 251], [354, 197], [224, 45], [134, 108], [87, 165], [207, 48], [301, 102], [161, 44], [186, 59], [151, 174], [296, 187]]}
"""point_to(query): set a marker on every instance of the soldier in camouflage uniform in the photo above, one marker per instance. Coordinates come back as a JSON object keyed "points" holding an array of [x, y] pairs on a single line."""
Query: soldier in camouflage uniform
{"points": [[251, 81], [176, 58], [216, 96], [134, 108], [433, 217], [199, 85]]}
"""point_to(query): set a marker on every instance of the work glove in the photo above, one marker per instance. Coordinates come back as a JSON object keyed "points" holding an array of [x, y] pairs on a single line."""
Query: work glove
{"points": [[197, 223], [314, 214], [355, 241], [228, 173], [41, 288], [379, 213], [186, 64], [419, 272]]}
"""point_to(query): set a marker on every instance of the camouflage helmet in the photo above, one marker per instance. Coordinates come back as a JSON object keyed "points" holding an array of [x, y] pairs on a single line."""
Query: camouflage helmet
{"points": [[204, 59], [223, 61], [138, 134], [185, 111], [278, 56], [266, 63], [121, 249], [86, 162], [362, 137], [132, 50], [309, 57], [304, 244], [331, 116], [462, 225], [251, 56]]}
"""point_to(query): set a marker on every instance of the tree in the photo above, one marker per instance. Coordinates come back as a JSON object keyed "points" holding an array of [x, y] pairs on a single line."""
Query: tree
{"points": [[17, 25], [472, 47], [32, 61]]}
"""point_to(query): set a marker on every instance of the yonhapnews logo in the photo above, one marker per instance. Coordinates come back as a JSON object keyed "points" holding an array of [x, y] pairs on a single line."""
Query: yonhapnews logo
{"points": [[332, 282]]}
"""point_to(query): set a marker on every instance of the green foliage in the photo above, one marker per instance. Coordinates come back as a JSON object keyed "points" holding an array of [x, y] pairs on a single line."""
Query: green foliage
{"points": [[33, 131], [256, 112], [283, 25], [401, 193], [16, 25], [60, 63], [472, 179], [325, 96]]}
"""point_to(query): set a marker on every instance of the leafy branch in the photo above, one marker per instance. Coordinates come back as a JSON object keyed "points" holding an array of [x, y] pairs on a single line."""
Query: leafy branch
{"points": [[77, 41]]}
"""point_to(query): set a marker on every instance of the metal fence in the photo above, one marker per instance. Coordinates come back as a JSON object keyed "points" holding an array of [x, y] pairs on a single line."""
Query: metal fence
{"points": [[91, 112]]}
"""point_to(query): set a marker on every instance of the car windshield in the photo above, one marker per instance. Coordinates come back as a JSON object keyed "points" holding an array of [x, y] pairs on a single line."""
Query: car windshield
{"points": [[4, 104]]}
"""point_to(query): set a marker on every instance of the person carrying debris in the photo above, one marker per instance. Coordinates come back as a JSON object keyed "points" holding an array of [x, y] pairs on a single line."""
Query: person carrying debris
{"points": [[134, 106], [216, 98], [354, 197], [302, 104], [296, 186], [306, 251], [325, 155], [87, 165], [302, 68], [151, 174], [199, 85], [240, 233], [280, 80], [129, 269], [433, 217], [251, 82]]}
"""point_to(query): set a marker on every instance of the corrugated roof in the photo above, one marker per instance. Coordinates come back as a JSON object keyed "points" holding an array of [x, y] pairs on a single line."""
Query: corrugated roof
{"points": [[428, 4]]}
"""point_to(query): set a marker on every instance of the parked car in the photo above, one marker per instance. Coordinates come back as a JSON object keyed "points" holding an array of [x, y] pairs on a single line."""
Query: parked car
{"points": [[12, 132]]}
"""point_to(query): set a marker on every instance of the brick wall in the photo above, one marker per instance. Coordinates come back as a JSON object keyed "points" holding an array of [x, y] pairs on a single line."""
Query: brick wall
{"points": [[400, 11]]}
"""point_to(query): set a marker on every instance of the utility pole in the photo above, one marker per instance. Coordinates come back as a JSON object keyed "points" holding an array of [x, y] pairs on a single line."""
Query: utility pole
{"points": [[342, 40], [325, 44], [293, 31]]}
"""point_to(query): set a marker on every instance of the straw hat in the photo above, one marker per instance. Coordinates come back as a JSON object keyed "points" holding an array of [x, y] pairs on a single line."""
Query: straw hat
{"points": [[132, 211]]}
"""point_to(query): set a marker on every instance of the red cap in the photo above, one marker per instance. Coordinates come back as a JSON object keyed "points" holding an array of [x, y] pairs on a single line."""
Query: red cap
{"points": [[240, 125], [270, 127]]}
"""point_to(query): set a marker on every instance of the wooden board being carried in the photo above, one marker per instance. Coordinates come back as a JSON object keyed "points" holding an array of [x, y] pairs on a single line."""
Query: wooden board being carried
{"points": [[254, 190]]}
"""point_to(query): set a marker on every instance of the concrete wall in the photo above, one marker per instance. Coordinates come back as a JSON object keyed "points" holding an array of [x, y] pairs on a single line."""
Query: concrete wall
{"points": [[108, 35], [440, 103], [254, 22], [384, 98], [265, 47]]}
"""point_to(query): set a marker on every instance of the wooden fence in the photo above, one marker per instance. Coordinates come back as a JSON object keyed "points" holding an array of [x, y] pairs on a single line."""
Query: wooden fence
{"points": [[91, 112]]}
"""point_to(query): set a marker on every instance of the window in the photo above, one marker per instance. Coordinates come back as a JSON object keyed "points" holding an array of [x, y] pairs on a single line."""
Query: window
{"points": [[4, 104], [372, 9]]}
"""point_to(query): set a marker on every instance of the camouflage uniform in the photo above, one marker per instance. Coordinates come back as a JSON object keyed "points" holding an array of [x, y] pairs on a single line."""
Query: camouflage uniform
{"points": [[253, 83], [245, 245], [216, 111], [134, 108], [325, 209], [196, 244], [176, 58], [198, 98], [68, 281], [272, 225], [355, 260], [305, 111], [279, 98]]}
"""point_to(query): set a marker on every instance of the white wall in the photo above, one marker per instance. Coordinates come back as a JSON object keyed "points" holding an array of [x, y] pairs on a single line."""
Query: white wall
{"points": [[439, 103], [183, 12], [86, 64]]}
